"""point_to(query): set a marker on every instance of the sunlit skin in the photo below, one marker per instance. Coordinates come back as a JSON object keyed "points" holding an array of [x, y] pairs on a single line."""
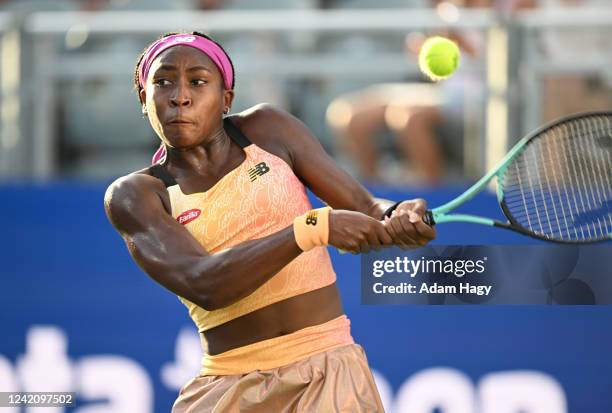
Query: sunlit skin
{"points": [[184, 99]]}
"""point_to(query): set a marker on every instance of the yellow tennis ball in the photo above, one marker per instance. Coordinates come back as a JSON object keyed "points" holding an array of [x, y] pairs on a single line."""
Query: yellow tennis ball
{"points": [[439, 58]]}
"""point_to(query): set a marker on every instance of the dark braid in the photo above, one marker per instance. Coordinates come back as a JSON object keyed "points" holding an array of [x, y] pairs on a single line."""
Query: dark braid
{"points": [[139, 61]]}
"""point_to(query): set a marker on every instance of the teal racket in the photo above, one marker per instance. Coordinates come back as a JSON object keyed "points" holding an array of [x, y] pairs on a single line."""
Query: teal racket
{"points": [[555, 184]]}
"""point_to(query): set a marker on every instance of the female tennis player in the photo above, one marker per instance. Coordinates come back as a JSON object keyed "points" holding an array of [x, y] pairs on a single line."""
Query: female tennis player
{"points": [[222, 220]]}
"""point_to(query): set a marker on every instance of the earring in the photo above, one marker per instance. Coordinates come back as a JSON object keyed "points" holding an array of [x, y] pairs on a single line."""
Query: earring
{"points": [[144, 111], [226, 111]]}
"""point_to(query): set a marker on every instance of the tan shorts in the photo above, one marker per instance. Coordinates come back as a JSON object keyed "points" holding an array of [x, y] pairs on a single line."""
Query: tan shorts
{"points": [[337, 380]]}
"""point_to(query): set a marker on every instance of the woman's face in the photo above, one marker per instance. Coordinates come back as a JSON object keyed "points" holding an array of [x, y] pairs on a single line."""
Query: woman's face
{"points": [[185, 97]]}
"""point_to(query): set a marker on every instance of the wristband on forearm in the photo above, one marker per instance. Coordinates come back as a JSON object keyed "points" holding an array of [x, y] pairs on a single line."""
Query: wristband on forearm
{"points": [[312, 229], [390, 210]]}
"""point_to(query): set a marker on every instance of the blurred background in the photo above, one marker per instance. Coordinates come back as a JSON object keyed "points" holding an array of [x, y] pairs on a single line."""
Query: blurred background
{"points": [[78, 315]]}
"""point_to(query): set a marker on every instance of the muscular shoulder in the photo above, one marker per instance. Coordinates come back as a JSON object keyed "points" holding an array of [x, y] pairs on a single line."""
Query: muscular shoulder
{"points": [[261, 114], [273, 129], [132, 194], [132, 186]]}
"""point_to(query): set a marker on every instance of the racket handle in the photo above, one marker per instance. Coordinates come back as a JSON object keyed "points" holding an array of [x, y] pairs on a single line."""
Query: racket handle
{"points": [[428, 218]]}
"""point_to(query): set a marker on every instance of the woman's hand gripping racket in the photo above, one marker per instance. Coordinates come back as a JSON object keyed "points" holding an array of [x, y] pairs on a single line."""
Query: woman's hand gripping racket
{"points": [[555, 184]]}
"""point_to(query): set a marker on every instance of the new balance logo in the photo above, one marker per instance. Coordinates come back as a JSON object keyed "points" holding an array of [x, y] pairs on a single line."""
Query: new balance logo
{"points": [[258, 170], [311, 218]]}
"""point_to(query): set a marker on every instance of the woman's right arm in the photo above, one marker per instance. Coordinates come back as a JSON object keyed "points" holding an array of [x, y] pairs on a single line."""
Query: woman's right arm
{"points": [[170, 255]]}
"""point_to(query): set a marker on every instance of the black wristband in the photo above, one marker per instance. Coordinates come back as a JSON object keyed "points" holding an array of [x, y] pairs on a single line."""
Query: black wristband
{"points": [[389, 210]]}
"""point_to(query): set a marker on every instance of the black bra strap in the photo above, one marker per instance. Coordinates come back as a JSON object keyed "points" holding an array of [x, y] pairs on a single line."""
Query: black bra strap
{"points": [[234, 133], [162, 174]]}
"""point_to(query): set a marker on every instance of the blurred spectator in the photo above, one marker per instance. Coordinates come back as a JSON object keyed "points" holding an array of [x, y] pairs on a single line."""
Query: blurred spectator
{"points": [[425, 119]]}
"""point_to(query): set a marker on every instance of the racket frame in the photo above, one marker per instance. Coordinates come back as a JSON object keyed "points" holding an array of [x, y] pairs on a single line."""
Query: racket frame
{"points": [[440, 214]]}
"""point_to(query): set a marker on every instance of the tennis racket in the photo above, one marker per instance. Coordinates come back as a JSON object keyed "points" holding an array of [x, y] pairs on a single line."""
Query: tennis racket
{"points": [[554, 185]]}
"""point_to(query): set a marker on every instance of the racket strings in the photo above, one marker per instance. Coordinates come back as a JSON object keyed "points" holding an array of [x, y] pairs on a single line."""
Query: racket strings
{"points": [[560, 186]]}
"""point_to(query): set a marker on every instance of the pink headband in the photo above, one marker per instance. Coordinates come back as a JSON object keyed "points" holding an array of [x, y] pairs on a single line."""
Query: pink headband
{"points": [[206, 46]]}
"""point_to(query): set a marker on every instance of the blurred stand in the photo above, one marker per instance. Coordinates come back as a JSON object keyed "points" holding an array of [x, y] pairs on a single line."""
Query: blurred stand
{"points": [[16, 87], [573, 82], [428, 121], [68, 109]]}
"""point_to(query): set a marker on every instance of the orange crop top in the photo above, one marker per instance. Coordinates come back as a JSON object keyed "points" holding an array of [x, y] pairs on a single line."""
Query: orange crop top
{"points": [[260, 197]]}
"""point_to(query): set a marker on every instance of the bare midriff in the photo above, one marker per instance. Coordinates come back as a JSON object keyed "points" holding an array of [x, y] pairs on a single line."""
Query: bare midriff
{"points": [[283, 317]]}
